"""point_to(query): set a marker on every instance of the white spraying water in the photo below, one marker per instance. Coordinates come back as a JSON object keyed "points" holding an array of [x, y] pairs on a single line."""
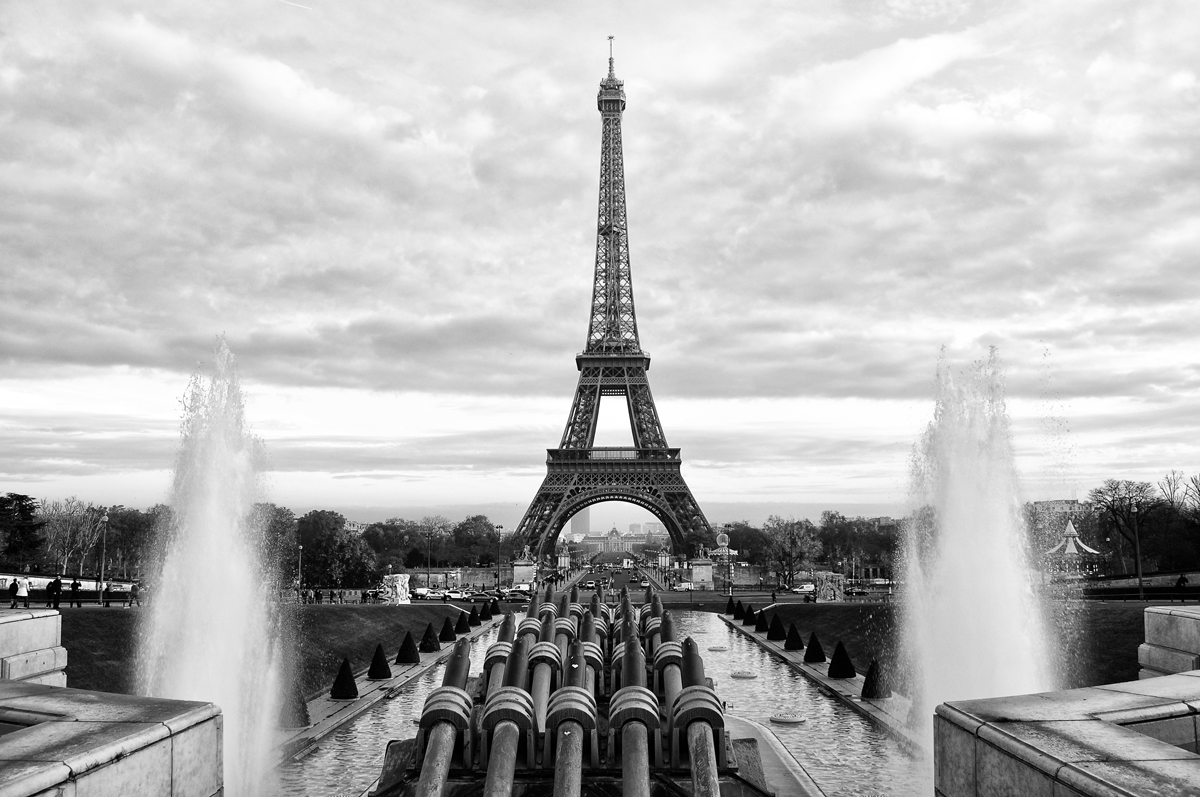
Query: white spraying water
{"points": [[210, 633], [973, 626]]}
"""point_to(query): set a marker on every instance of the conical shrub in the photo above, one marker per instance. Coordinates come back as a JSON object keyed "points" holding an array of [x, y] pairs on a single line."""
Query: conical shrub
{"points": [[495, 607], [794, 641], [840, 665], [293, 709], [739, 611], [814, 654], [875, 685], [408, 649], [463, 626], [473, 617], [447, 634], [429, 642], [730, 608], [485, 612], [344, 687], [379, 671], [761, 623], [748, 615], [776, 633]]}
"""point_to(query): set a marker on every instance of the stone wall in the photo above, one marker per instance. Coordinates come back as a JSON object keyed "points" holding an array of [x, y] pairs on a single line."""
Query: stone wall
{"points": [[1172, 641], [29, 647]]}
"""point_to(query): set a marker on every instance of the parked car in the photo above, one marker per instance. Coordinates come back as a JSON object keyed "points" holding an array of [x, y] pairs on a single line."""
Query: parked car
{"points": [[857, 592], [684, 586], [480, 597], [804, 589], [419, 593], [435, 594], [456, 594]]}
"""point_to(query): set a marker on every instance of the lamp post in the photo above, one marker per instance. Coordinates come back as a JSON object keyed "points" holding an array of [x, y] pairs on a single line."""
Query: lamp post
{"points": [[103, 552], [1137, 553], [428, 553], [499, 539], [299, 567]]}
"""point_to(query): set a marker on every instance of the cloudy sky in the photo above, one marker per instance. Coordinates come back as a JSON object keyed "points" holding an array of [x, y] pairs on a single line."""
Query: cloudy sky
{"points": [[388, 210]]}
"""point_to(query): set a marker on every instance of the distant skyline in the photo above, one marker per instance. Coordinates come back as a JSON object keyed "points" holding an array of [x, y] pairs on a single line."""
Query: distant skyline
{"points": [[389, 214]]}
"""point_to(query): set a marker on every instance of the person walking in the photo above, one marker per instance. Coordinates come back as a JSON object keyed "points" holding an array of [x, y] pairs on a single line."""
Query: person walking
{"points": [[75, 601], [135, 595], [12, 593], [23, 591], [104, 593], [55, 592]]}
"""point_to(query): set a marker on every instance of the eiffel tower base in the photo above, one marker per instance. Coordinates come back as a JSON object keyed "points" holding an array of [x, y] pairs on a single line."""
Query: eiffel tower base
{"points": [[578, 478]]}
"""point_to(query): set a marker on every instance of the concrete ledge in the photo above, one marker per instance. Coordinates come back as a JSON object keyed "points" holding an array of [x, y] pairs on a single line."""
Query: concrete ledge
{"points": [[1135, 738], [80, 742], [36, 662]]}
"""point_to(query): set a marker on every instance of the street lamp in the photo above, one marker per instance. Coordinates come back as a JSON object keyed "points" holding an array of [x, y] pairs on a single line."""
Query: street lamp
{"points": [[499, 539], [103, 553], [299, 566], [1137, 553], [428, 549]]}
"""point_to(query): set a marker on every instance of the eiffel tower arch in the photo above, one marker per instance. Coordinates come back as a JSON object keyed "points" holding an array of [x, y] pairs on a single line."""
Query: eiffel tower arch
{"points": [[612, 363]]}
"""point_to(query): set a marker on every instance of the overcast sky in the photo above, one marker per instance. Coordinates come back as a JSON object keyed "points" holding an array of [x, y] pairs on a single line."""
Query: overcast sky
{"points": [[388, 209]]}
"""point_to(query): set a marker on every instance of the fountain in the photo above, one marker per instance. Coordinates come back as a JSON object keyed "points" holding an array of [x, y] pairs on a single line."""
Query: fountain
{"points": [[212, 632], [973, 626]]}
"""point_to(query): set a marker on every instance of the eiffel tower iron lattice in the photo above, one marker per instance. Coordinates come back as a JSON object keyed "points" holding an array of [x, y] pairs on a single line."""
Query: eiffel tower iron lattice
{"points": [[580, 474]]}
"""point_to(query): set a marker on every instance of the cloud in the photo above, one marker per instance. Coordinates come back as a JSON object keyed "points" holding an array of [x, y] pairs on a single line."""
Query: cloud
{"points": [[818, 203]]}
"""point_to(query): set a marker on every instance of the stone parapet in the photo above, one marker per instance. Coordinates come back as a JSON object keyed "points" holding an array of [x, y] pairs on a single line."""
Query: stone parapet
{"points": [[1135, 738], [29, 647], [1172, 641], [71, 741]]}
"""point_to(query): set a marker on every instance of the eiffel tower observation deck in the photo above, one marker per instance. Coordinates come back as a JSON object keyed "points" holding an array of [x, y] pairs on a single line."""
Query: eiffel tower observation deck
{"points": [[612, 363]]}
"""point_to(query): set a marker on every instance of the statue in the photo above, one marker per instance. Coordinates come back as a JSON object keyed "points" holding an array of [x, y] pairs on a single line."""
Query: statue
{"points": [[525, 552], [395, 588]]}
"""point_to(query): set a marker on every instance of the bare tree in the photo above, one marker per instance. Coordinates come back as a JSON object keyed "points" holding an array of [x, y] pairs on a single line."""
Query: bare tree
{"points": [[72, 527], [1174, 490]]}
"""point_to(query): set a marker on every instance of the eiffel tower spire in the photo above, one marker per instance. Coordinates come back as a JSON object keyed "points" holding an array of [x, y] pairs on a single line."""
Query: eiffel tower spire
{"points": [[613, 326], [612, 363]]}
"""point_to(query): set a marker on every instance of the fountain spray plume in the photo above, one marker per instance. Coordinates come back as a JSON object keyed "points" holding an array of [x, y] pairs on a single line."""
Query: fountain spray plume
{"points": [[212, 633], [973, 624]]}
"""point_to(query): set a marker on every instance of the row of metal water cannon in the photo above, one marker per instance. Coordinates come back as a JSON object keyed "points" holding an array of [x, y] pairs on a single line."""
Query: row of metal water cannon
{"points": [[545, 681]]}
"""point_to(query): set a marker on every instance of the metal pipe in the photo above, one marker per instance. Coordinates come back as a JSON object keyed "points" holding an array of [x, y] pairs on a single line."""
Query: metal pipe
{"points": [[701, 751], [671, 675], [506, 737], [502, 760], [568, 760], [703, 755], [635, 742], [443, 736], [542, 673], [495, 677]]}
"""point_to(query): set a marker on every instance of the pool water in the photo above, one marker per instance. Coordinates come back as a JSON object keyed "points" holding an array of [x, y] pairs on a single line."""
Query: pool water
{"points": [[846, 754]]}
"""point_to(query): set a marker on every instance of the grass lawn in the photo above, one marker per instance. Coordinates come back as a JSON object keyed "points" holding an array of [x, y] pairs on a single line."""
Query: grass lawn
{"points": [[101, 643], [1100, 639]]}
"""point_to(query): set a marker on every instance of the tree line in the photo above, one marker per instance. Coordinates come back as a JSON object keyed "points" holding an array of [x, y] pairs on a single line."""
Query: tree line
{"points": [[70, 536]]}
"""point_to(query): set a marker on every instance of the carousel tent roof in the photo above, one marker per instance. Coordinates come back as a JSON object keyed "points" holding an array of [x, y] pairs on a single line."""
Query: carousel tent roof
{"points": [[1071, 545]]}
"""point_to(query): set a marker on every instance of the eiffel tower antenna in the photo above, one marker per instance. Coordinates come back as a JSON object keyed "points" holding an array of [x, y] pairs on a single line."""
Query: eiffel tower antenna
{"points": [[612, 363]]}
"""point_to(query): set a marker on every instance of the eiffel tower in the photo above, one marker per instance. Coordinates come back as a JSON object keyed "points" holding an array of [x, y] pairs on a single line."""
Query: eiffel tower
{"points": [[612, 363]]}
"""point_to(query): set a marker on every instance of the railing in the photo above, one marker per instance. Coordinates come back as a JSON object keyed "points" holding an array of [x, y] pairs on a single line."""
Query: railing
{"points": [[577, 454]]}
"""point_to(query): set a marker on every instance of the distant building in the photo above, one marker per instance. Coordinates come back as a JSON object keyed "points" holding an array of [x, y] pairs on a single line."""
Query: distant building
{"points": [[612, 542], [635, 529], [356, 527], [581, 523], [1062, 506]]}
